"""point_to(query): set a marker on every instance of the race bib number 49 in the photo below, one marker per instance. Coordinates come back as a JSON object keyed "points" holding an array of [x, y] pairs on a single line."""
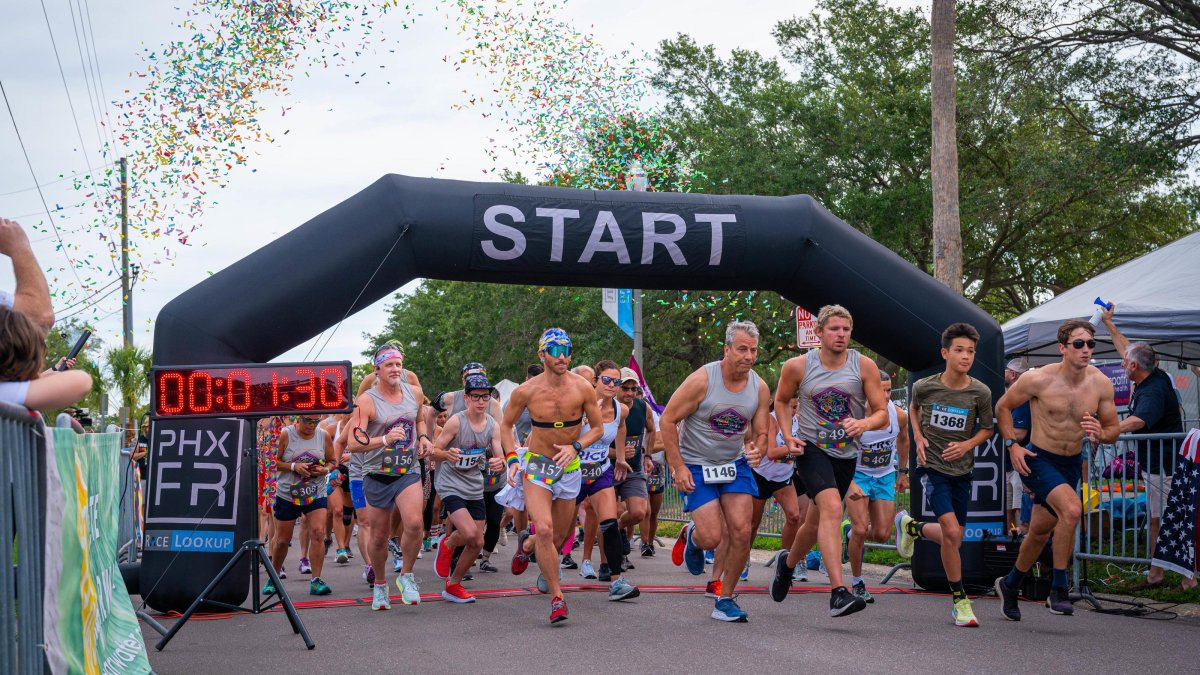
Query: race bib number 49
{"points": [[719, 473], [948, 417]]}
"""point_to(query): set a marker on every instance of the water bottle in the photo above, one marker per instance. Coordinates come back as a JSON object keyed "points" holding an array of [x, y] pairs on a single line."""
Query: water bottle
{"points": [[1098, 315]]}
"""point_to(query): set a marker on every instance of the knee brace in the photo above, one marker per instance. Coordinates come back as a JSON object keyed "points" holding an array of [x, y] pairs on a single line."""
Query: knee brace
{"points": [[347, 516], [610, 538]]}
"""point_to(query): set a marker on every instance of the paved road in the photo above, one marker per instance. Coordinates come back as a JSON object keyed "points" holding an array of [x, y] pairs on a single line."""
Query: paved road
{"points": [[899, 632]]}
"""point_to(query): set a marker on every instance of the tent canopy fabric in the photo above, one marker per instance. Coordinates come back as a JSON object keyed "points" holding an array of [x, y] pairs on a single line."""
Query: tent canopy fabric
{"points": [[1157, 299]]}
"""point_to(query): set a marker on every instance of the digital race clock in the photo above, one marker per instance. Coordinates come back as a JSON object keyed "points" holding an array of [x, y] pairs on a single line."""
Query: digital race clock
{"points": [[250, 390]]}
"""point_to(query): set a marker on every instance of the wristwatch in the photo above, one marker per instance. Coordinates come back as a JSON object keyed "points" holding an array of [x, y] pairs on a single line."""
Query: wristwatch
{"points": [[577, 446], [1008, 443]]}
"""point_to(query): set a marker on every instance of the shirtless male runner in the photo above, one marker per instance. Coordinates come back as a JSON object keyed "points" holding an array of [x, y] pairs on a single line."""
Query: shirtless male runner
{"points": [[1070, 401], [557, 401]]}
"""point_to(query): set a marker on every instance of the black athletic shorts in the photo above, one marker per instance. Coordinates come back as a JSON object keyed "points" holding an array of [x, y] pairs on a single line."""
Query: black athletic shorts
{"points": [[452, 503], [766, 487], [345, 477], [821, 472]]}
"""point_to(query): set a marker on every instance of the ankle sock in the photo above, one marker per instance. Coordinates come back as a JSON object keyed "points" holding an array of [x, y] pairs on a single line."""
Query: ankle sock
{"points": [[1058, 578], [1014, 579], [957, 590]]}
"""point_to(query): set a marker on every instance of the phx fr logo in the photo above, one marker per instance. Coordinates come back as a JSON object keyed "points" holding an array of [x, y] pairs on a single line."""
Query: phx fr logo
{"points": [[406, 425], [728, 422]]}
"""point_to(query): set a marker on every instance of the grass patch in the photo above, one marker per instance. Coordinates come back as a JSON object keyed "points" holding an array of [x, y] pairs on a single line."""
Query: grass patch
{"points": [[1123, 581]]}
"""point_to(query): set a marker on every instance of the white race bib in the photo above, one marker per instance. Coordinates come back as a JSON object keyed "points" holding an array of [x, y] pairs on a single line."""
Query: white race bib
{"points": [[469, 457], [715, 474], [948, 417]]}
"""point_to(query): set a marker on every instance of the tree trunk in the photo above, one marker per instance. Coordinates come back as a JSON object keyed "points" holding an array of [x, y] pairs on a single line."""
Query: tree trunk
{"points": [[947, 232]]}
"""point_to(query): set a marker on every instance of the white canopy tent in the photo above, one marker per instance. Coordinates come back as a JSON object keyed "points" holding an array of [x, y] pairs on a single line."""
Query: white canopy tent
{"points": [[1157, 298]]}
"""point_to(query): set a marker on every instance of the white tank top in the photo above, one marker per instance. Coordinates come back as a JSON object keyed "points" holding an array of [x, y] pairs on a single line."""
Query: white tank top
{"points": [[773, 469], [878, 448]]}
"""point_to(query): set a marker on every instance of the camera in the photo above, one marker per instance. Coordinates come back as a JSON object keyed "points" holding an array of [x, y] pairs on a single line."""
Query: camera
{"points": [[81, 415]]}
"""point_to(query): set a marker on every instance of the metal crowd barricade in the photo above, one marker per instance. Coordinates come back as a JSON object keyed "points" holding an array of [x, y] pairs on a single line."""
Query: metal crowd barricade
{"points": [[22, 539], [1117, 497]]}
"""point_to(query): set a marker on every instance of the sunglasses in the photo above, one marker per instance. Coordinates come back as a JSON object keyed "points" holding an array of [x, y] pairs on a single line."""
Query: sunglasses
{"points": [[479, 397], [604, 379], [557, 351], [1079, 344], [632, 387], [310, 420]]}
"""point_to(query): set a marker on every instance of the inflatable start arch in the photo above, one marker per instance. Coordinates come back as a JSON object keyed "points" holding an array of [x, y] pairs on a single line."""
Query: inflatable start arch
{"points": [[401, 228]]}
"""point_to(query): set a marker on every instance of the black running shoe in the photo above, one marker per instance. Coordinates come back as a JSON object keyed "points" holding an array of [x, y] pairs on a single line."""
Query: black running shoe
{"points": [[627, 565], [781, 583], [625, 542], [568, 563], [1059, 601], [844, 603], [647, 551], [605, 573], [1009, 605]]}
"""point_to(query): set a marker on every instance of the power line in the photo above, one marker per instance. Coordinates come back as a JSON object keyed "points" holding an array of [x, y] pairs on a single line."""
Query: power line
{"points": [[94, 294], [63, 75], [87, 306], [57, 180], [62, 245], [100, 78], [83, 67]]}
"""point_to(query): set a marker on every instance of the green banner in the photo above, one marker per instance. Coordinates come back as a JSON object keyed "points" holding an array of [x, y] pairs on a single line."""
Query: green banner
{"points": [[89, 620]]}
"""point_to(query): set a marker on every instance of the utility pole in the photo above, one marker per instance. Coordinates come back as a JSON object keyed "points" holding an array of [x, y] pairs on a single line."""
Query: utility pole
{"points": [[126, 291], [637, 328]]}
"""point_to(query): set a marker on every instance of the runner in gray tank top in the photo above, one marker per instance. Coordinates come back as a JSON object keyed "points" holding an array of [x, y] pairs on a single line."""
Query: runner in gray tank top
{"points": [[470, 438], [833, 385], [305, 457], [388, 426], [723, 409], [454, 402]]}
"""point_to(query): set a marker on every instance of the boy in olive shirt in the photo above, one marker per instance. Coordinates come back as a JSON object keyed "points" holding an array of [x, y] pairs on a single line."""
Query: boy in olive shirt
{"points": [[952, 414]]}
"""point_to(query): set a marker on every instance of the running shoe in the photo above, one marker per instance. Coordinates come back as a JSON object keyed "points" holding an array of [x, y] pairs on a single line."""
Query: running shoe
{"points": [[487, 566], [426, 544], [349, 553], [904, 540], [726, 609], [520, 561], [625, 542], [586, 571], [605, 574], [457, 594], [410, 589], [397, 565], [801, 574], [504, 537], [369, 575], [343, 556], [1009, 600], [843, 603], [305, 567], [269, 587], [627, 565], [647, 550], [318, 587], [622, 590], [859, 589], [393, 545], [963, 614], [781, 583], [379, 599], [568, 563], [1059, 601], [693, 555], [442, 562], [680, 545], [468, 576], [558, 610], [710, 556], [713, 589], [544, 587], [746, 571], [282, 574]]}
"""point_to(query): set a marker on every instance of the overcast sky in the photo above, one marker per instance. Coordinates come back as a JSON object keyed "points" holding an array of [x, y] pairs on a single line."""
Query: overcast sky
{"points": [[340, 138]]}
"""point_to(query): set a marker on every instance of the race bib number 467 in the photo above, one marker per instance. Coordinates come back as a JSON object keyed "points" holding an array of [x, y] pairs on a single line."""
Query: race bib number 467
{"points": [[948, 417]]}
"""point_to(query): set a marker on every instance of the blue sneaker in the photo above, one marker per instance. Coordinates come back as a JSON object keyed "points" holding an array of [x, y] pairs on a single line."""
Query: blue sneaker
{"points": [[746, 571], [693, 556], [727, 609], [709, 556]]}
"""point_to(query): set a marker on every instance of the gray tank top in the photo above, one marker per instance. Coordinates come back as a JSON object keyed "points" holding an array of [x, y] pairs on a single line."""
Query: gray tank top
{"points": [[523, 427], [292, 486], [714, 434], [463, 478], [460, 403], [826, 398], [400, 457]]}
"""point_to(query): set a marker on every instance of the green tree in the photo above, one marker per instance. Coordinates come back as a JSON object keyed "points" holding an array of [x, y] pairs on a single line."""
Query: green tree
{"points": [[129, 373], [1052, 191]]}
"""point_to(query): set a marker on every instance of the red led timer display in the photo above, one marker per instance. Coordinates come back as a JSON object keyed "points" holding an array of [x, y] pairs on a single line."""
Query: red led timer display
{"points": [[251, 390]]}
